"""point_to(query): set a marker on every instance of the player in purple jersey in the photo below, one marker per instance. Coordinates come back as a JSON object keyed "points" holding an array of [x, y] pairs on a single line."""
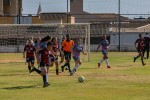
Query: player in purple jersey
{"points": [[104, 45], [76, 49]]}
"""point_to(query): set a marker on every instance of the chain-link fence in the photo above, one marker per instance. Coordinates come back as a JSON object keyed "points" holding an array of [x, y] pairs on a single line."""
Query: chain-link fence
{"points": [[121, 20]]}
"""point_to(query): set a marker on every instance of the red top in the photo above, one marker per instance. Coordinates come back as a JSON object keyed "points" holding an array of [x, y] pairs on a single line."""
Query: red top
{"points": [[140, 43], [29, 51], [55, 47], [44, 56]]}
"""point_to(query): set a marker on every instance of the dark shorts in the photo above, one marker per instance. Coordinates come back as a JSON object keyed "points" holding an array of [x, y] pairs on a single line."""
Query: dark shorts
{"points": [[30, 59], [42, 64], [52, 58], [76, 58], [139, 50], [67, 55], [104, 52]]}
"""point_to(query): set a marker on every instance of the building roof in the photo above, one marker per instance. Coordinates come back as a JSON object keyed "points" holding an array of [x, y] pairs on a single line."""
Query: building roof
{"points": [[145, 28], [53, 15], [109, 16], [86, 16]]}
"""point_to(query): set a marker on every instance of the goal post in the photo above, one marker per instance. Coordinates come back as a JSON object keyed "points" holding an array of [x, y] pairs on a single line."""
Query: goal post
{"points": [[13, 37]]}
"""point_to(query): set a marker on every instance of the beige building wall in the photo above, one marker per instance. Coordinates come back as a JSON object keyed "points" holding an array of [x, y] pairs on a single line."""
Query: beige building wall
{"points": [[72, 20], [36, 20], [6, 20]]}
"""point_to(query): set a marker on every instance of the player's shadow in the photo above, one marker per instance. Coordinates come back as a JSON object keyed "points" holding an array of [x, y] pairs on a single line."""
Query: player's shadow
{"points": [[20, 87], [12, 74]]}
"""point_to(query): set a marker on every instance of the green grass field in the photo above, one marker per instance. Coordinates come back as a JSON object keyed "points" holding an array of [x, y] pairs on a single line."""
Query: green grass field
{"points": [[126, 80]]}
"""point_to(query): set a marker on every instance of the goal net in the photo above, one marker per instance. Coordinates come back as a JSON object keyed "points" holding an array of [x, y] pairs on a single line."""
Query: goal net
{"points": [[13, 38]]}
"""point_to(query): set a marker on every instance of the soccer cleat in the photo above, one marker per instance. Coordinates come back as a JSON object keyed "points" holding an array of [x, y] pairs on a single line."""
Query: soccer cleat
{"points": [[71, 73], [108, 67], [144, 64], [57, 73], [46, 85], [98, 65]]}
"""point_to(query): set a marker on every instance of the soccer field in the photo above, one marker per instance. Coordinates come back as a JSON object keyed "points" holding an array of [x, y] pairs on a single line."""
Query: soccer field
{"points": [[125, 80]]}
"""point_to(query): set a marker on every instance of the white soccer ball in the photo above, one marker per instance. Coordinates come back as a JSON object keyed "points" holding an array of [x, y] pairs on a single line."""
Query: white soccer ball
{"points": [[81, 79]]}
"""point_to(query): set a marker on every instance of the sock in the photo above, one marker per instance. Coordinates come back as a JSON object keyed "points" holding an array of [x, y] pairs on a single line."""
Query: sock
{"points": [[29, 68], [75, 67], [107, 63], [68, 64], [44, 79], [142, 61], [101, 61], [38, 71], [57, 72]]}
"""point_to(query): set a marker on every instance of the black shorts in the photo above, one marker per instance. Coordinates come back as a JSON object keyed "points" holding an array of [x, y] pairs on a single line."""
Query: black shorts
{"points": [[67, 55], [52, 58], [30, 59], [139, 50], [42, 64]]}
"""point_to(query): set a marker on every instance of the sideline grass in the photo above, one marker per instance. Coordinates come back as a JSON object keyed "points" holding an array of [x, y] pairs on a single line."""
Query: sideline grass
{"points": [[124, 81]]}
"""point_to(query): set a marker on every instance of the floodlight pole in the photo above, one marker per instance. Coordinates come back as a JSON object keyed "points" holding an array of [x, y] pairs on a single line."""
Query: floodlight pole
{"points": [[18, 21], [67, 11], [19, 11], [67, 16], [118, 25]]}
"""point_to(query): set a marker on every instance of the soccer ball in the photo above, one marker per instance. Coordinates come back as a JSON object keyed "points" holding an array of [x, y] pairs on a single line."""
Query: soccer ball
{"points": [[81, 79]]}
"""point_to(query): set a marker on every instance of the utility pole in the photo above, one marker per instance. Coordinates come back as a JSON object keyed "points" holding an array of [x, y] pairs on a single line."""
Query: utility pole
{"points": [[67, 16], [18, 21], [67, 11], [118, 25], [19, 11]]}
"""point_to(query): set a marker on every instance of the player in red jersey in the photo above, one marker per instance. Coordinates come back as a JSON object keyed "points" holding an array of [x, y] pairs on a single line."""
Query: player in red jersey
{"points": [[45, 63], [56, 49], [62, 51], [29, 50], [146, 46], [139, 44]]}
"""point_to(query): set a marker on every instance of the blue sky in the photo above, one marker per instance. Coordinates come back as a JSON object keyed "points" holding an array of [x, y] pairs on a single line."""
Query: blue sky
{"points": [[92, 6]]}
